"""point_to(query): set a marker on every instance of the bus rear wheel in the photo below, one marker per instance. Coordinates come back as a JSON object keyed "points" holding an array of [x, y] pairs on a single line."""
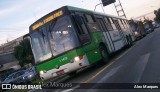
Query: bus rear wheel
{"points": [[103, 52], [129, 40]]}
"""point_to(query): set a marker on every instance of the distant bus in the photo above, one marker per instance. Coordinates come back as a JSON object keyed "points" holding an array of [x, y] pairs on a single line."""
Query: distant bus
{"points": [[71, 38]]}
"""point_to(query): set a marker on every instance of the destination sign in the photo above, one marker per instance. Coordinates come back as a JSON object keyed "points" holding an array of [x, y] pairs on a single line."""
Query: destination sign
{"points": [[48, 19]]}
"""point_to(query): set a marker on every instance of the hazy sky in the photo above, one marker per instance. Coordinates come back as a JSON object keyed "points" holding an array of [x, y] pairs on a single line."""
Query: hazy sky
{"points": [[17, 15]]}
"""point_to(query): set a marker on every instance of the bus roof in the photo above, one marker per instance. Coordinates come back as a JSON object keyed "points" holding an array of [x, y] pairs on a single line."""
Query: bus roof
{"points": [[90, 11], [71, 8]]}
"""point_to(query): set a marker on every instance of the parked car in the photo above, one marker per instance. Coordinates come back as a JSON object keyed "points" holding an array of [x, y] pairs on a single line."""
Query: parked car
{"points": [[5, 73], [22, 76], [15, 78], [30, 75]]}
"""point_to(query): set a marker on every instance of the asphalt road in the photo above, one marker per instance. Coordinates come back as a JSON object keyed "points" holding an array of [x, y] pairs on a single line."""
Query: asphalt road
{"points": [[137, 64]]}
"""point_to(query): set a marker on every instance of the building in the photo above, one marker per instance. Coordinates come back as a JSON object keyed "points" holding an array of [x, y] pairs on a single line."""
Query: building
{"points": [[149, 16], [7, 59]]}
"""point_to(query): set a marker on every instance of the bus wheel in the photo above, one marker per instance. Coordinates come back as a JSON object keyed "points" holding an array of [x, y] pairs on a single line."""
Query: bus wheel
{"points": [[103, 52], [129, 40]]}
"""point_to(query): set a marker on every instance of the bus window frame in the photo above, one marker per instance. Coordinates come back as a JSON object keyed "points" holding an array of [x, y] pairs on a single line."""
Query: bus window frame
{"points": [[106, 18], [120, 23], [127, 23], [125, 26], [102, 28], [112, 23], [92, 23], [78, 28]]}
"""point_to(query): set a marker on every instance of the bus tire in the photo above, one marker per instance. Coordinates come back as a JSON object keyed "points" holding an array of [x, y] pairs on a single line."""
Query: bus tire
{"points": [[129, 40], [103, 52]]}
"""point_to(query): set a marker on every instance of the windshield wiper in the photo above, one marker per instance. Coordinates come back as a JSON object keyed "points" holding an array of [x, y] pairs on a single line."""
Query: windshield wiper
{"points": [[52, 26], [53, 23], [40, 32], [43, 35]]}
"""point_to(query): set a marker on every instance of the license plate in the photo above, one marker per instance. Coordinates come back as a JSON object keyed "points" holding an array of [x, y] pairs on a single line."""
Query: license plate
{"points": [[60, 72]]}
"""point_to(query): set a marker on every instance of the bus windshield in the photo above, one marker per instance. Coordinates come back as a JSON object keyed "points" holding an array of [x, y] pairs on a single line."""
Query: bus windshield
{"points": [[54, 38]]}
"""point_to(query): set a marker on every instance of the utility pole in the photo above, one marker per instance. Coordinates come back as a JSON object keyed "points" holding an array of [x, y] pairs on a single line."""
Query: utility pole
{"points": [[119, 9]]}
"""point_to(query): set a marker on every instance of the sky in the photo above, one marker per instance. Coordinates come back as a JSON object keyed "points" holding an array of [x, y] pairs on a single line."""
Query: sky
{"points": [[17, 15]]}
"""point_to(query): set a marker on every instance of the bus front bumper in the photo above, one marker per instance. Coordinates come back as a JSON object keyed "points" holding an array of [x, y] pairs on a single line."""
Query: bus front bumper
{"points": [[66, 68]]}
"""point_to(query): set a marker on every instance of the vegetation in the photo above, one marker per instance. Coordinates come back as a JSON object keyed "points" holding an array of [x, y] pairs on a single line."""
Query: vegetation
{"points": [[157, 13], [23, 52]]}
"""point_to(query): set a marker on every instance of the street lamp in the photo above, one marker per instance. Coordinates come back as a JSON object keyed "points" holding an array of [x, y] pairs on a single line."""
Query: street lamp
{"points": [[99, 4], [96, 6]]}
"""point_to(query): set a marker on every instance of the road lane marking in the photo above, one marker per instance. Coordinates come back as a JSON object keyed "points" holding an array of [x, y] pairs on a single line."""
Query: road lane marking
{"points": [[110, 74], [64, 78], [68, 90], [140, 66], [93, 77]]}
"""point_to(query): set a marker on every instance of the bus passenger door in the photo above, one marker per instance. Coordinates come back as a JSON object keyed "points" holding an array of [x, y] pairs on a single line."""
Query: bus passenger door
{"points": [[106, 34], [82, 29], [86, 38]]}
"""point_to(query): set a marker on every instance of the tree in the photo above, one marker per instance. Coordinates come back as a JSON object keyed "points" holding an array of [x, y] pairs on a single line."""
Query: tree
{"points": [[23, 52], [157, 13]]}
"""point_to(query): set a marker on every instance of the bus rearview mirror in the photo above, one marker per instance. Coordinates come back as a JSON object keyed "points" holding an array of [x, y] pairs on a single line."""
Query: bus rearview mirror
{"points": [[27, 36]]}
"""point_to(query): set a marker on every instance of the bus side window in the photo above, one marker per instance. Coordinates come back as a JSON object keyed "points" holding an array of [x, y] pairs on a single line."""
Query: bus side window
{"points": [[89, 18], [92, 25], [126, 23], [101, 24], [83, 31], [83, 26], [120, 23], [108, 24], [112, 24], [125, 26]]}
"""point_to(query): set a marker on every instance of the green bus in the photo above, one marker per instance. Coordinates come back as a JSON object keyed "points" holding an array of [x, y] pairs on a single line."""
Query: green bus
{"points": [[71, 38]]}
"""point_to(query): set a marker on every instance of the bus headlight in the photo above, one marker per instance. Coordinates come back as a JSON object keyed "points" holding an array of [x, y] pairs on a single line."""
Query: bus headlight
{"points": [[136, 33], [30, 75], [41, 72], [77, 58]]}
